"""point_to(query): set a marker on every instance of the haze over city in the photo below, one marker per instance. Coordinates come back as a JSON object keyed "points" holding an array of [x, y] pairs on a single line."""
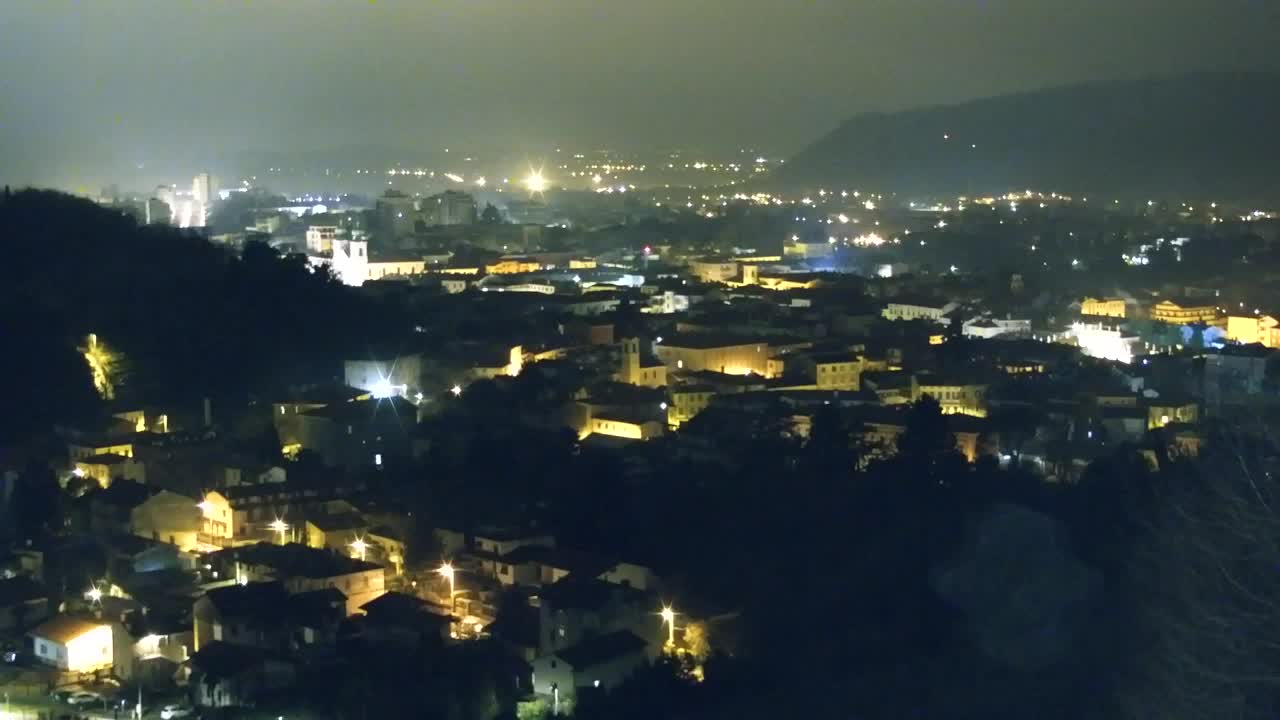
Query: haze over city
{"points": [[97, 90]]}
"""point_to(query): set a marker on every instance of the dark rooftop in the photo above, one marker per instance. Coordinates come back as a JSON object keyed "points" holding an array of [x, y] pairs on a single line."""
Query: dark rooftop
{"points": [[124, 494], [334, 522], [583, 592], [385, 409], [294, 560], [267, 601], [584, 564], [222, 659], [602, 649], [325, 394], [704, 341], [917, 300], [400, 608], [823, 358], [104, 459], [20, 589]]}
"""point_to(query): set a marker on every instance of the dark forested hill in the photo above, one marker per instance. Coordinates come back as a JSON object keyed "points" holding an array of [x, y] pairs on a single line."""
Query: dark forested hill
{"points": [[1207, 135], [189, 319]]}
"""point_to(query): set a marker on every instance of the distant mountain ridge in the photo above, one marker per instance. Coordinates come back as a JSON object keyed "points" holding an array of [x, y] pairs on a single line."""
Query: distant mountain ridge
{"points": [[1203, 135]]}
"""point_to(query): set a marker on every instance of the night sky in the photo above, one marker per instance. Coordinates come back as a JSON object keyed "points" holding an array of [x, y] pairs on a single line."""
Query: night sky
{"points": [[95, 88]]}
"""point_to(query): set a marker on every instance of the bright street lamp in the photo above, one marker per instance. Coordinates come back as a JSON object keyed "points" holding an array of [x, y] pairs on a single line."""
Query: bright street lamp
{"points": [[360, 546], [280, 527], [456, 390], [94, 595], [669, 617], [535, 181], [447, 571]]}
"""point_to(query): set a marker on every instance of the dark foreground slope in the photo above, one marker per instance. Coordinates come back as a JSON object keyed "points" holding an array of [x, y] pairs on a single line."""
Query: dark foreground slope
{"points": [[1201, 135]]}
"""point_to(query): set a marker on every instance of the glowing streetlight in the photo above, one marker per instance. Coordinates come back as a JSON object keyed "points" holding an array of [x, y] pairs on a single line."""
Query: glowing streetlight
{"points": [[280, 527], [94, 595], [669, 617], [535, 181], [383, 389], [456, 390], [446, 570], [360, 546]]}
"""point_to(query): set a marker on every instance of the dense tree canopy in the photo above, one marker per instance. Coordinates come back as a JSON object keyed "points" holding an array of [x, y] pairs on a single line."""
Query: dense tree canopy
{"points": [[192, 319]]}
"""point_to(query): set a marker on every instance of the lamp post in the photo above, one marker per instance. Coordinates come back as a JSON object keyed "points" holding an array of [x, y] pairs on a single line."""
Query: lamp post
{"points": [[446, 570], [669, 617], [280, 527]]}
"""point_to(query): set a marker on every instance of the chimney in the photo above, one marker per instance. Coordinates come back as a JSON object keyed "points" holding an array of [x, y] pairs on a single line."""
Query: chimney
{"points": [[208, 413]]}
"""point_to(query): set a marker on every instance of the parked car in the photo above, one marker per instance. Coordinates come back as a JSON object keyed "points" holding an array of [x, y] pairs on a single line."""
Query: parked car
{"points": [[82, 698], [176, 711], [61, 695]]}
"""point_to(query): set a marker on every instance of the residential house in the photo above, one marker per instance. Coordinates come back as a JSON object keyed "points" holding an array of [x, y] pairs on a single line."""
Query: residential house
{"points": [[386, 545], [73, 644], [576, 608], [86, 445], [1234, 375], [133, 555], [503, 540], [603, 662], [1263, 330], [190, 524], [358, 434], [539, 565], [285, 412], [335, 531], [405, 620], [301, 569], [267, 615], [255, 507], [160, 646], [684, 402], [226, 675], [108, 467], [966, 396], [1168, 410], [23, 601], [110, 510], [881, 427]]}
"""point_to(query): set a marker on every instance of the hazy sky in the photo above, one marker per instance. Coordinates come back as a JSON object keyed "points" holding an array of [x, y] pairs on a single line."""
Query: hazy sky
{"points": [[106, 84]]}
